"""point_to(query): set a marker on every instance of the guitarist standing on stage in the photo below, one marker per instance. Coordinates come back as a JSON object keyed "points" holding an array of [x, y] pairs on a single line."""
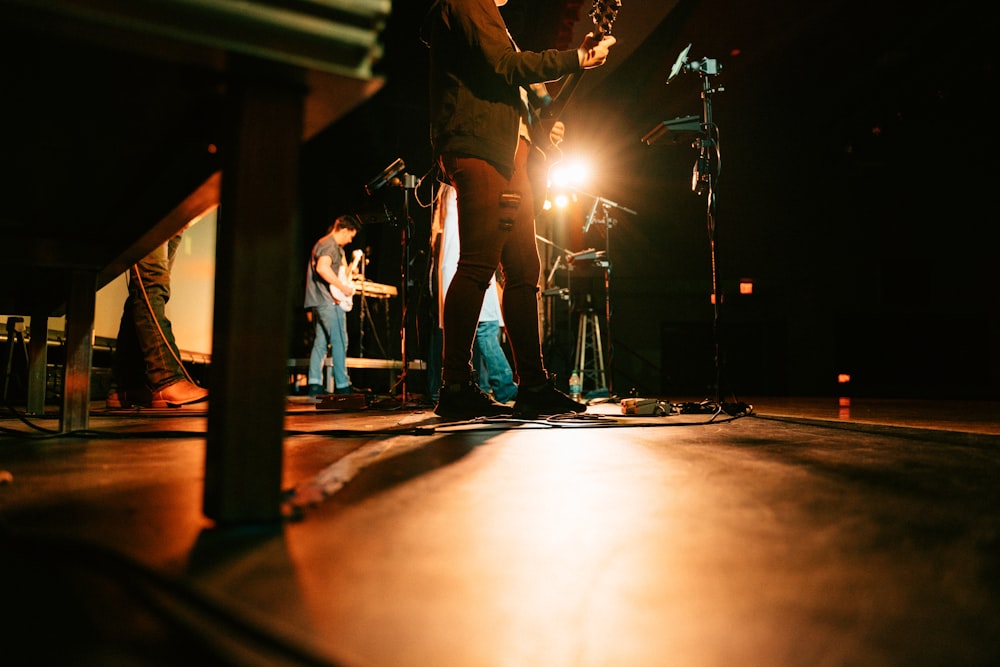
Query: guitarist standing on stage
{"points": [[327, 308], [479, 134]]}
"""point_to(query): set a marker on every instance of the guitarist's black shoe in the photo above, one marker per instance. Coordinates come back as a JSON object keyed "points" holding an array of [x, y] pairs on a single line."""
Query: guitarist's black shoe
{"points": [[465, 400], [544, 401]]}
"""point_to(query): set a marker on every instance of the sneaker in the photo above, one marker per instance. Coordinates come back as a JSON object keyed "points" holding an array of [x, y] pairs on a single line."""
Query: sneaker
{"points": [[544, 401], [314, 390], [465, 400]]}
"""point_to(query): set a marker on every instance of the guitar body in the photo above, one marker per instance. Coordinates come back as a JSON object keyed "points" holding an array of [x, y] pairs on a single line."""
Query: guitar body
{"points": [[345, 273]]}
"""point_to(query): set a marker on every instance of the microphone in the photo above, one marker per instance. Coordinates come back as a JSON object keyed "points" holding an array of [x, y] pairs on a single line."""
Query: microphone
{"points": [[388, 176], [679, 63]]}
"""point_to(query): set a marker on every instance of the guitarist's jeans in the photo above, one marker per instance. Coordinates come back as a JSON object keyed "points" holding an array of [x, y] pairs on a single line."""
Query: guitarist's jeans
{"points": [[330, 321], [146, 354], [496, 226]]}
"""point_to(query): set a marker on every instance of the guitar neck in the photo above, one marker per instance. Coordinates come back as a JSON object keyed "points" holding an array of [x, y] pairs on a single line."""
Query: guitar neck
{"points": [[554, 110], [603, 14]]}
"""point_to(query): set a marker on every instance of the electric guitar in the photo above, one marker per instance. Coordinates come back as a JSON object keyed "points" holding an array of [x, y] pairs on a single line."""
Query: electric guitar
{"points": [[345, 273], [603, 14]]}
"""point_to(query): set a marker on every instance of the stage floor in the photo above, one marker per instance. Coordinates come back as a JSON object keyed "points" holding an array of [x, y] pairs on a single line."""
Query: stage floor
{"points": [[808, 532]]}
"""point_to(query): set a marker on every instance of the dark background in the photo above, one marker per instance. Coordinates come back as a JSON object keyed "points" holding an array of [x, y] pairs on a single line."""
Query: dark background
{"points": [[856, 146]]}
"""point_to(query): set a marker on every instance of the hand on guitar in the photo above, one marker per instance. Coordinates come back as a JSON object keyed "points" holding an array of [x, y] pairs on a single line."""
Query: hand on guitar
{"points": [[343, 292], [557, 133], [594, 50]]}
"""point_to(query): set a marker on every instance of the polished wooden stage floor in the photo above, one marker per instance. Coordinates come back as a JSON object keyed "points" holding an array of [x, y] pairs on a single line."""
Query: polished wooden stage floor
{"points": [[808, 532]]}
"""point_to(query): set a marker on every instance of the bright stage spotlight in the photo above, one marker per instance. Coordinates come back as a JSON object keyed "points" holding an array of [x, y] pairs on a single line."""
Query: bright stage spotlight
{"points": [[570, 174], [565, 177], [561, 200]]}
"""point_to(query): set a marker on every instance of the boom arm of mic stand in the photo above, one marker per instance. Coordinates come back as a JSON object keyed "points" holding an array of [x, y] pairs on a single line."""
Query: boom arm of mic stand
{"points": [[550, 243], [605, 204], [590, 216], [552, 273]]}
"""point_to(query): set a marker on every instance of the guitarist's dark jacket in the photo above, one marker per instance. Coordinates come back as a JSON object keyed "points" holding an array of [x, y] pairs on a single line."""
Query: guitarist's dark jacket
{"points": [[475, 75]]}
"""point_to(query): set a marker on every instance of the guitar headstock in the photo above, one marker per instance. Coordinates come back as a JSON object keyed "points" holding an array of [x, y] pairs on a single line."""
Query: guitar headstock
{"points": [[603, 14]]}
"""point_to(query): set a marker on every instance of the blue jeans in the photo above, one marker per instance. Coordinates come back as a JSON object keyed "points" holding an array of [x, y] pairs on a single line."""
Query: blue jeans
{"points": [[331, 329], [495, 373], [146, 354]]}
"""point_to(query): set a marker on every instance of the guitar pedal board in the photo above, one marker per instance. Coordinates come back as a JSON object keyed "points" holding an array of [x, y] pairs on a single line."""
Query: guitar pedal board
{"points": [[341, 402]]}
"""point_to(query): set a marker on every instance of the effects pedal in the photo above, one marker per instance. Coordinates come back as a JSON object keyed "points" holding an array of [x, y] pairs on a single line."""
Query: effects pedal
{"points": [[341, 402], [644, 407]]}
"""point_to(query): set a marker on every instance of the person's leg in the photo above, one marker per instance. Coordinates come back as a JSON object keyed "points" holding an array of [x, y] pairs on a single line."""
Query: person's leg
{"points": [[499, 377], [482, 230], [128, 366], [149, 292], [536, 394], [480, 373], [434, 363], [317, 355], [338, 347], [521, 267]]}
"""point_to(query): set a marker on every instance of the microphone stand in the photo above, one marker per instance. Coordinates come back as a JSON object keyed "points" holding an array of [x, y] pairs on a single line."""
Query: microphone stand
{"points": [[409, 183], [600, 213], [565, 293], [706, 172], [562, 261], [704, 180], [364, 308], [395, 176]]}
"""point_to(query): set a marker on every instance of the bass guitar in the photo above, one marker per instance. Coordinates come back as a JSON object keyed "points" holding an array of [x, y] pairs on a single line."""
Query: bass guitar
{"points": [[345, 274]]}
